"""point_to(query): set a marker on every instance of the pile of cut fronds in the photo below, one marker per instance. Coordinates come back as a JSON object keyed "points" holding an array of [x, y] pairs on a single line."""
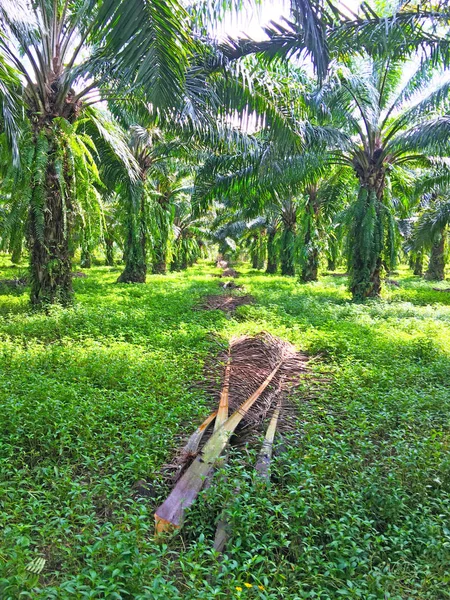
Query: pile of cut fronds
{"points": [[258, 372], [226, 302]]}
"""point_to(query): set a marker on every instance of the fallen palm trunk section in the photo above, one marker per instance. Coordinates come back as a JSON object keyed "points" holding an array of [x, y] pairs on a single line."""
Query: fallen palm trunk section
{"points": [[258, 370]]}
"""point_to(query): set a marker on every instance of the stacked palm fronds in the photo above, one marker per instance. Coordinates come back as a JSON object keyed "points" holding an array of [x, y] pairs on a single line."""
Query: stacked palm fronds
{"points": [[225, 302], [258, 371]]}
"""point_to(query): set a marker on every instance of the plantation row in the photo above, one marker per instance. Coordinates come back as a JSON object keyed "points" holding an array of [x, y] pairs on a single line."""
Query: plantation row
{"points": [[96, 399], [127, 125]]}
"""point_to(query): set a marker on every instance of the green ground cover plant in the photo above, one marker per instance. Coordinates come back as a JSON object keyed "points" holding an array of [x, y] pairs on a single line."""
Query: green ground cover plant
{"points": [[97, 396]]}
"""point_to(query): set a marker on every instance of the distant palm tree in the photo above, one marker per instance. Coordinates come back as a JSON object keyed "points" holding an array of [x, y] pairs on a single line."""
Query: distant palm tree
{"points": [[389, 130], [431, 232]]}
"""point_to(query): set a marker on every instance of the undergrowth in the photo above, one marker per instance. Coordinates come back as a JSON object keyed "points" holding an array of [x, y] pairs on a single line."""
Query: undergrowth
{"points": [[98, 396]]}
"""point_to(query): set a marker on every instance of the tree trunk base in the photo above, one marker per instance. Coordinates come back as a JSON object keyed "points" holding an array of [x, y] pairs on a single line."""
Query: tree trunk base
{"points": [[132, 276], [51, 283], [50, 264], [418, 267], [361, 290], [436, 266], [310, 269], [109, 247], [159, 268], [85, 262]]}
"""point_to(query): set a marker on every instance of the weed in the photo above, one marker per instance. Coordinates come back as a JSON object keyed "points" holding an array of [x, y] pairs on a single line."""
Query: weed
{"points": [[96, 397]]}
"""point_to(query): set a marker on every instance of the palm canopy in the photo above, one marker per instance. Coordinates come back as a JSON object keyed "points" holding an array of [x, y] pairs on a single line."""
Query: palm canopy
{"points": [[71, 53], [325, 31], [57, 59]]}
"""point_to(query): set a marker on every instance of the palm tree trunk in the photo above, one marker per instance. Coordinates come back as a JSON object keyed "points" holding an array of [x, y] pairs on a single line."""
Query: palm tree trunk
{"points": [[16, 255], [255, 258], [272, 258], [366, 241], [184, 262], [109, 248], [436, 266], [86, 259], [287, 253], [161, 247], [258, 250], [310, 268], [287, 242], [331, 264], [261, 249], [159, 265], [136, 243], [418, 265], [50, 263]]}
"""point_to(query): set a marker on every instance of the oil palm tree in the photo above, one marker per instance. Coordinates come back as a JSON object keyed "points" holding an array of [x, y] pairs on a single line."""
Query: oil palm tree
{"points": [[190, 234], [135, 198], [392, 126], [430, 232], [57, 58], [328, 31], [322, 199]]}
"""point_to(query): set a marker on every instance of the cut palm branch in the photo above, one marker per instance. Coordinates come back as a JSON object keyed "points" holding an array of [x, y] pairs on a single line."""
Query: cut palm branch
{"points": [[189, 451], [258, 369], [225, 302], [170, 514], [222, 535], [194, 441], [263, 463], [262, 467], [222, 413]]}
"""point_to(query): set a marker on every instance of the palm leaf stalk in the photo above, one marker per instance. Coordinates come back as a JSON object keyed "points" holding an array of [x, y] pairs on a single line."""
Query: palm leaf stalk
{"points": [[223, 530], [193, 443], [265, 455], [170, 514]]}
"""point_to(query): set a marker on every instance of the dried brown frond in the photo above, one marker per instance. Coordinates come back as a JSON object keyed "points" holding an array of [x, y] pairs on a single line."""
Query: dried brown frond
{"points": [[229, 272], [225, 302], [252, 359]]}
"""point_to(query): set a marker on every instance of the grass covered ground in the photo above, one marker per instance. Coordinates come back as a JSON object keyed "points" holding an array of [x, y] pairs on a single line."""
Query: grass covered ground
{"points": [[98, 396]]}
